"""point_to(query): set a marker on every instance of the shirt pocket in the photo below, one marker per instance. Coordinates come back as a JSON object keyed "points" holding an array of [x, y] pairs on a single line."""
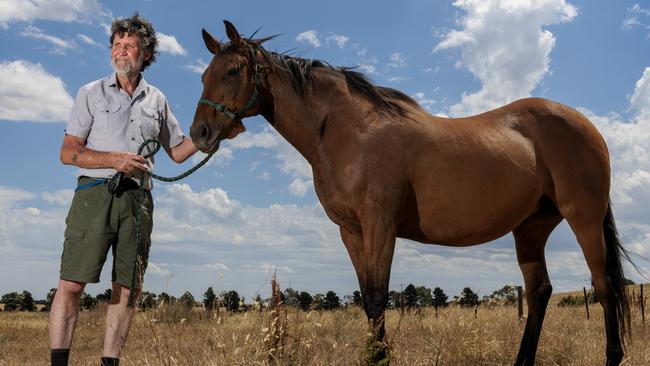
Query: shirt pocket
{"points": [[151, 121], [105, 115]]}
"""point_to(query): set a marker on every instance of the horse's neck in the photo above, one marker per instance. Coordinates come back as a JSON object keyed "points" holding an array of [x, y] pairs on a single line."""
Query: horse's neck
{"points": [[295, 118]]}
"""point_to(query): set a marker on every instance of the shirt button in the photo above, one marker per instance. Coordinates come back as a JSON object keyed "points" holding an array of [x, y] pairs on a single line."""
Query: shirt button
{"points": [[132, 138]]}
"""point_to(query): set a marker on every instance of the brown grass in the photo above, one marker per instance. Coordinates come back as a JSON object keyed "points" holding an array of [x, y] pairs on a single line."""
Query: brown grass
{"points": [[176, 336]]}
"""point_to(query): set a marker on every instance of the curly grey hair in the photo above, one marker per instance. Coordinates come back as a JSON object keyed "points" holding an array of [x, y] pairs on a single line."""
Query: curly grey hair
{"points": [[137, 25]]}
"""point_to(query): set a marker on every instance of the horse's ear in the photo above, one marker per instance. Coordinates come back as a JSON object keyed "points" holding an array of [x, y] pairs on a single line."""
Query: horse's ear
{"points": [[212, 44], [232, 33]]}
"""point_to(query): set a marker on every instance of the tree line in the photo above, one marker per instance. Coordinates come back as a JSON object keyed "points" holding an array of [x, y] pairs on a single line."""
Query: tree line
{"points": [[410, 297]]}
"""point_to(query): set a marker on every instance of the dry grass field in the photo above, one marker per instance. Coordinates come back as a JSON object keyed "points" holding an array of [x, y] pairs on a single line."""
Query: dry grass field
{"points": [[175, 336]]}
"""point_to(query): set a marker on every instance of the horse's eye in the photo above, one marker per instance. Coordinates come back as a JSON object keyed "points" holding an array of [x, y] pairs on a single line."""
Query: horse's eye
{"points": [[233, 71]]}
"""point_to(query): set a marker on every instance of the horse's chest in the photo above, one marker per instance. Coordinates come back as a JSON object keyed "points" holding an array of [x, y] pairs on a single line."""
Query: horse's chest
{"points": [[337, 202]]}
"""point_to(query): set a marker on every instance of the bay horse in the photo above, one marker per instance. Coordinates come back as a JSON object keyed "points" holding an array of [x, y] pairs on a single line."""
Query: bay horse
{"points": [[384, 168]]}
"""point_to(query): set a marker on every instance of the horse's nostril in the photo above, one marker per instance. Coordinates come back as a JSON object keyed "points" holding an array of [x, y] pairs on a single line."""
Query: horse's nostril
{"points": [[204, 132]]}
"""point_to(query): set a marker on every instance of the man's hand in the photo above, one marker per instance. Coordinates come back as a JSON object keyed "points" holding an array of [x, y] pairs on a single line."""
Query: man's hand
{"points": [[128, 163]]}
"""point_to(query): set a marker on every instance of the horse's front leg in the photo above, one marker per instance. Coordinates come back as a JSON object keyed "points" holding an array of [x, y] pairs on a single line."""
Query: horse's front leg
{"points": [[372, 255]]}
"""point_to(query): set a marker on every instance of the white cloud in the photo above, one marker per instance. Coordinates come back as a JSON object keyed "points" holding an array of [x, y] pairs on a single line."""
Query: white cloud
{"points": [[368, 69], [198, 66], [217, 267], [338, 39], [298, 187], [29, 93], [60, 45], [62, 197], [88, 40], [397, 60], [270, 268], [203, 207], [504, 44], [60, 11], [637, 16], [640, 100], [424, 101], [169, 44], [310, 37]]}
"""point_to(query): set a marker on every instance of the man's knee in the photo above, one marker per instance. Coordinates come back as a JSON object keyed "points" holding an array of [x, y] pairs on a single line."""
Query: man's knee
{"points": [[122, 292], [71, 288]]}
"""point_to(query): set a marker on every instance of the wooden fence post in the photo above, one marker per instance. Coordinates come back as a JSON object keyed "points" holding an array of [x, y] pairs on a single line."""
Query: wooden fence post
{"points": [[520, 302], [642, 306], [584, 291]]}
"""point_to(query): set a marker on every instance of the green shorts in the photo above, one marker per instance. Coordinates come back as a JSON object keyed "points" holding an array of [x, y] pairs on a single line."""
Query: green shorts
{"points": [[99, 221]]}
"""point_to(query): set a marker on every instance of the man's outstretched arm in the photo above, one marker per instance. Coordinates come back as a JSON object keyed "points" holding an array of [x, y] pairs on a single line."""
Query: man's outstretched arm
{"points": [[182, 151]]}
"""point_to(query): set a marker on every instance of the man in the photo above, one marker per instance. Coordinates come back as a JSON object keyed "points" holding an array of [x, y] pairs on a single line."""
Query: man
{"points": [[110, 118]]}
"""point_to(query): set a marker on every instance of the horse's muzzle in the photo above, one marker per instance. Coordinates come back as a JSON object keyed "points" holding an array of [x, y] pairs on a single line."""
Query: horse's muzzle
{"points": [[204, 138]]}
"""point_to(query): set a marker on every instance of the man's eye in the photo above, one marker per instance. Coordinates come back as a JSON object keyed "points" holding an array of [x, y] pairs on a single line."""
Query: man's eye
{"points": [[233, 71]]}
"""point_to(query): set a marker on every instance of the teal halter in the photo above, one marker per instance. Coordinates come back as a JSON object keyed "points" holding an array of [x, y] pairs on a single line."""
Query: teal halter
{"points": [[251, 100]]}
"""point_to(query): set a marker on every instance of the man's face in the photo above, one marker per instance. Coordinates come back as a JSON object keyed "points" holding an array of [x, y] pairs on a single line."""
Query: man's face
{"points": [[126, 54]]}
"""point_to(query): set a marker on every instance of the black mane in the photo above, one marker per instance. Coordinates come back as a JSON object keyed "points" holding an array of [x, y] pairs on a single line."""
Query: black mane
{"points": [[300, 72]]}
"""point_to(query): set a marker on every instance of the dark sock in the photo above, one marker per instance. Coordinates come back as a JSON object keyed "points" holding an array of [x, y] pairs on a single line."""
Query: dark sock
{"points": [[110, 361], [59, 356]]}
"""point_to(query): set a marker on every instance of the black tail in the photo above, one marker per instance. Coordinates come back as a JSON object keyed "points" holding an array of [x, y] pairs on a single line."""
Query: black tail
{"points": [[613, 254]]}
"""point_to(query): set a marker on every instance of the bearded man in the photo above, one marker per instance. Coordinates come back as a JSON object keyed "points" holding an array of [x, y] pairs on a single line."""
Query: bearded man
{"points": [[110, 118]]}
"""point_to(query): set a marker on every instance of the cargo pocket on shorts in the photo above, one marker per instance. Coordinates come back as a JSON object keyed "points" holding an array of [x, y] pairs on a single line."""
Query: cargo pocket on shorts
{"points": [[72, 256]]}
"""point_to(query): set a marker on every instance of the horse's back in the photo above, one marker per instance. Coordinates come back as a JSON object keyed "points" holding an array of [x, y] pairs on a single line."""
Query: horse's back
{"points": [[474, 179]]}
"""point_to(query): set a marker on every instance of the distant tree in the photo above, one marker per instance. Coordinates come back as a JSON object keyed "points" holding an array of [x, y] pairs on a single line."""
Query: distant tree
{"points": [[105, 296], [164, 298], [357, 300], [439, 297], [258, 303], [506, 294], [11, 300], [410, 296], [395, 299], [187, 300], [629, 282], [425, 297], [27, 302], [291, 297], [468, 298], [331, 301], [304, 300], [209, 299], [230, 300], [318, 302], [88, 302], [147, 300], [49, 299]]}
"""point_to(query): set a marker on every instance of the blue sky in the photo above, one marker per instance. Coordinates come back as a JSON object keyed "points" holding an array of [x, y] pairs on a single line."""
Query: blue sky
{"points": [[253, 208]]}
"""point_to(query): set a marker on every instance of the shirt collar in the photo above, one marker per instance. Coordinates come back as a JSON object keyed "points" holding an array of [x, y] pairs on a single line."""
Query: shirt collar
{"points": [[142, 87]]}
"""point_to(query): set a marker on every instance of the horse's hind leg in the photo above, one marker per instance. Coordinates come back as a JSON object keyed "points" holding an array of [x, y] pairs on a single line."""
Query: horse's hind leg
{"points": [[530, 239], [596, 234]]}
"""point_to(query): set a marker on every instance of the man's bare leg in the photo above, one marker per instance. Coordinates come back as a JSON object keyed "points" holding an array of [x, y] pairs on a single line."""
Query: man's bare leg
{"points": [[118, 321], [64, 313], [63, 319]]}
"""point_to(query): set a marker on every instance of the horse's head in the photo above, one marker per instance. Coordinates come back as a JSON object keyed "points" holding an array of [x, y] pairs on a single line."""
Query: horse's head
{"points": [[231, 90]]}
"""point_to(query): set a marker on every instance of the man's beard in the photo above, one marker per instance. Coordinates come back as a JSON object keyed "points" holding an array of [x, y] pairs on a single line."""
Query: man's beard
{"points": [[124, 66]]}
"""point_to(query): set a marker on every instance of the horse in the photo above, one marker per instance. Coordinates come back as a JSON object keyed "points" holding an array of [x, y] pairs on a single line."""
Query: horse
{"points": [[383, 168]]}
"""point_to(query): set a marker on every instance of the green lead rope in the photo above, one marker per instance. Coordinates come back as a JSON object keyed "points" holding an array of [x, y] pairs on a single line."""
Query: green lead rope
{"points": [[138, 212]]}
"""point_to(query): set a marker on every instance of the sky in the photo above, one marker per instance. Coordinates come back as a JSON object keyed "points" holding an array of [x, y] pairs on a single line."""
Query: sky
{"points": [[252, 210]]}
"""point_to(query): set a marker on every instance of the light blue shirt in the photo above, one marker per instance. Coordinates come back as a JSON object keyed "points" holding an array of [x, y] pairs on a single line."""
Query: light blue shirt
{"points": [[110, 120]]}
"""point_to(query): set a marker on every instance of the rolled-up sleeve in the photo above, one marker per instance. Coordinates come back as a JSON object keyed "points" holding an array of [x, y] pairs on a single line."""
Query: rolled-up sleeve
{"points": [[81, 120], [170, 134]]}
